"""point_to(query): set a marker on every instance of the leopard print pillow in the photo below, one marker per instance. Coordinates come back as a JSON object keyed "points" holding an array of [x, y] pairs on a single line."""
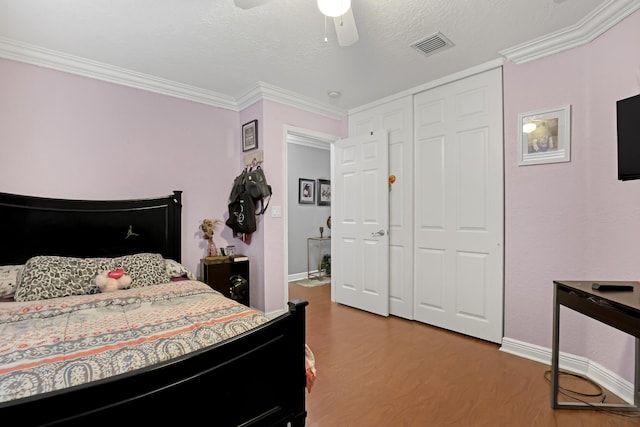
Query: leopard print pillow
{"points": [[48, 276], [45, 277], [145, 269]]}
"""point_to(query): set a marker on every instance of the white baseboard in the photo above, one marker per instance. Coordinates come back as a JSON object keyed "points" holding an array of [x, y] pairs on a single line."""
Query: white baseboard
{"points": [[273, 314], [300, 276], [580, 365], [290, 278], [297, 276]]}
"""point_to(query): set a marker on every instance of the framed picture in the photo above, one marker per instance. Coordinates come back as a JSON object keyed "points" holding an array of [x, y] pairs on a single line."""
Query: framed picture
{"points": [[306, 191], [324, 192], [545, 136], [250, 135]]}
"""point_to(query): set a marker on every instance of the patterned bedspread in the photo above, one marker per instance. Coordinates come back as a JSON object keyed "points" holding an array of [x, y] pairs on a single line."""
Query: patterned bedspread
{"points": [[56, 343]]}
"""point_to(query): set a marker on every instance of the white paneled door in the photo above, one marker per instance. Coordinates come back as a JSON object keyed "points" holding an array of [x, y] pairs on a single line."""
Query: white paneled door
{"points": [[360, 222], [458, 255], [396, 117]]}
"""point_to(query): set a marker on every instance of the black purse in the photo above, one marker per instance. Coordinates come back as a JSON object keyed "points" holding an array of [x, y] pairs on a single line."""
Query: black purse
{"points": [[258, 188], [242, 214], [239, 185]]}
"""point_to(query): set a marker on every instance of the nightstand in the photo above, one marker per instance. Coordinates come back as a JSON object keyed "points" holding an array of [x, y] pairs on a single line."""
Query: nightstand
{"points": [[218, 274]]}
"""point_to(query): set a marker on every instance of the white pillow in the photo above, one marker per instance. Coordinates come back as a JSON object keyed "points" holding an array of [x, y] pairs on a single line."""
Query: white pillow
{"points": [[9, 279], [175, 269]]}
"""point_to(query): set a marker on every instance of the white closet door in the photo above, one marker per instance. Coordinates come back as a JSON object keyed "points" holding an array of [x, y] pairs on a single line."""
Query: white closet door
{"points": [[459, 218]]}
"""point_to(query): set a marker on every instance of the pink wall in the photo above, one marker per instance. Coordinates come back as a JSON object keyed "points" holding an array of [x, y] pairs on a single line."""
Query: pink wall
{"points": [[266, 246], [67, 136], [276, 116], [254, 247], [72, 137], [572, 220]]}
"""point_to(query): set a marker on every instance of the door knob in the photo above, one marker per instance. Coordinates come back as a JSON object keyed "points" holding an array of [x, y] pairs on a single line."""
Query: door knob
{"points": [[378, 233]]}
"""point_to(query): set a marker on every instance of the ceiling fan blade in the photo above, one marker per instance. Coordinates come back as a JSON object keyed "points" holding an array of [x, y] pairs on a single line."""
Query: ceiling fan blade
{"points": [[248, 4], [346, 29]]}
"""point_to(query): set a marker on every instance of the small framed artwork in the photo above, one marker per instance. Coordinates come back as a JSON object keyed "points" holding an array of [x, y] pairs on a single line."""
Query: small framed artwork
{"points": [[324, 192], [306, 191], [544, 136], [250, 135]]}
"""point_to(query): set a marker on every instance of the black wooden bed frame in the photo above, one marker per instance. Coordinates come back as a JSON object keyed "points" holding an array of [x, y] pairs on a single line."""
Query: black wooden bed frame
{"points": [[254, 379]]}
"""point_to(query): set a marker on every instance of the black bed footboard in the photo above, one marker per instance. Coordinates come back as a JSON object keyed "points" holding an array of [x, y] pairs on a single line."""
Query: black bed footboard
{"points": [[254, 379]]}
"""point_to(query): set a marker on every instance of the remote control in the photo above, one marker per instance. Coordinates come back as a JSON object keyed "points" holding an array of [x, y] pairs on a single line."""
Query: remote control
{"points": [[610, 287]]}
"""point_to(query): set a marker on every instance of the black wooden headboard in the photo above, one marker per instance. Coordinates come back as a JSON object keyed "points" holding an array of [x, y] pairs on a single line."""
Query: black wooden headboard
{"points": [[32, 226]]}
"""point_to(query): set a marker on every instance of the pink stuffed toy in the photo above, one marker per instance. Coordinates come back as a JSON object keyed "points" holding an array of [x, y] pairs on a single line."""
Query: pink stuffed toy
{"points": [[113, 280]]}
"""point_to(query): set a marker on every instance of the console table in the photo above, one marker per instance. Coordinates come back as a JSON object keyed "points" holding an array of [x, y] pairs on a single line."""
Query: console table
{"points": [[620, 310], [319, 274]]}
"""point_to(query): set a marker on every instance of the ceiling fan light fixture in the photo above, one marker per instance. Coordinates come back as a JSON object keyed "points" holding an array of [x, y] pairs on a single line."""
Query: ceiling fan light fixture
{"points": [[334, 8]]}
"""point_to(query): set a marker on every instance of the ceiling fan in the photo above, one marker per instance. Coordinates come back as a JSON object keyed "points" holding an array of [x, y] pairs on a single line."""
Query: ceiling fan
{"points": [[339, 10]]}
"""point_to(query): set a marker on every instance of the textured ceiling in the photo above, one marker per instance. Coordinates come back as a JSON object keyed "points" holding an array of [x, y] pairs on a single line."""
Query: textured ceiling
{"points": [[218, 47]]}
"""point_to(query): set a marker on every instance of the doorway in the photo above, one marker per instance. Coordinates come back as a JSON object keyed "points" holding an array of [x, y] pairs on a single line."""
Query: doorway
{"points": [[306, 157]]}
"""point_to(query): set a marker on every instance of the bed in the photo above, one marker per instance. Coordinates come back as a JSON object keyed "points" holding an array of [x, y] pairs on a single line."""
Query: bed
{"points": [[71, 355]]}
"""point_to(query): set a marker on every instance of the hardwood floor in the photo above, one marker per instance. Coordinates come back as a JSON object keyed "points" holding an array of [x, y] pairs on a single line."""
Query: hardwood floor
{"points": [[377, 371]]}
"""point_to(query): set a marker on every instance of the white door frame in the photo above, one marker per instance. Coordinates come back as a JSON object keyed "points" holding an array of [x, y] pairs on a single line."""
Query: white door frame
{"points": [[296, 135]]}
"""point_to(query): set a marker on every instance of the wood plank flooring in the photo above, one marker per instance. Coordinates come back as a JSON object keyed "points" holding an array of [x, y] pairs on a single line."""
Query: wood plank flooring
{"points": [[376, 371]]}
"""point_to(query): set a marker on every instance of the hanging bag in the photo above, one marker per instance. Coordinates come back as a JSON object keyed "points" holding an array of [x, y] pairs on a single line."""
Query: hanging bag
{"points": [[242, 217], [256, 185], [239, 185]]}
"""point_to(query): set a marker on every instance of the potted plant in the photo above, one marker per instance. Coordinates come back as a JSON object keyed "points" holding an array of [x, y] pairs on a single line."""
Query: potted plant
{"points": [[208, 227], [325, 265]]}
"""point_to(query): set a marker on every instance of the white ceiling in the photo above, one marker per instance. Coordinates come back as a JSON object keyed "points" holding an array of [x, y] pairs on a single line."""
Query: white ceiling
{"points": [[220, 49]]}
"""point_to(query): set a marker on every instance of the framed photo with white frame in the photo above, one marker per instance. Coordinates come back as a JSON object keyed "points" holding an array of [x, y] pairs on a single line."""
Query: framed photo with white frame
{"points": [[544, 136]]}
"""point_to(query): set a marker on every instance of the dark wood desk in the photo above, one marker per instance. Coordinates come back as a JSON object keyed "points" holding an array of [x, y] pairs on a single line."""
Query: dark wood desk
{"points": [[620, 310]]}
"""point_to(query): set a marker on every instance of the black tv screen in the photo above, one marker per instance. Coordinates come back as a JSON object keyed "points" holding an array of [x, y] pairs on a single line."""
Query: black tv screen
{"points": [[628, 118]]}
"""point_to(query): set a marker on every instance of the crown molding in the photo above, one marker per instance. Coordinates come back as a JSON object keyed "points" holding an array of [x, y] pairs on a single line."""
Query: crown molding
{"points": [[591, 26], [307, 140], [35, 55], [47, 58], [489, 65], [586, 30], [273, 93]]}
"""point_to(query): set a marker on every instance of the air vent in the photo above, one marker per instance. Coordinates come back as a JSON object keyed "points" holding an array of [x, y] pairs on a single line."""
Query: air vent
{"points": [[432, 44]]}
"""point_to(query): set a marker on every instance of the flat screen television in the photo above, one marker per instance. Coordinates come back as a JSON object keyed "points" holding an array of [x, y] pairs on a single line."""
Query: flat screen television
{"points": [[628, 122]]}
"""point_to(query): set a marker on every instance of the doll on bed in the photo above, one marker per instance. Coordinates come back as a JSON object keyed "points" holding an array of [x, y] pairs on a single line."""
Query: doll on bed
{"points": [[109, 281]]}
